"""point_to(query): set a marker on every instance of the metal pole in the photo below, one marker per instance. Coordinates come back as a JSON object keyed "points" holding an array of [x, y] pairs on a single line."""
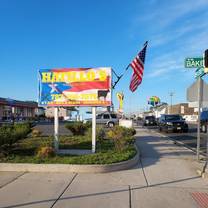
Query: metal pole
{"points": [[207, 146], [171, 101], [199, 116], [56, 129], [93, 129]]}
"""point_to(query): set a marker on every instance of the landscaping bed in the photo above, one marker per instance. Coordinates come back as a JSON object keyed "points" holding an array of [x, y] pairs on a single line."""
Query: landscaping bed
{"points": [[113, 146]]}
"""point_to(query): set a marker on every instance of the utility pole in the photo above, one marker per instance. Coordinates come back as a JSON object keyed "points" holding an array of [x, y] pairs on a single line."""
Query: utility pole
{"points": [[171, 101]]}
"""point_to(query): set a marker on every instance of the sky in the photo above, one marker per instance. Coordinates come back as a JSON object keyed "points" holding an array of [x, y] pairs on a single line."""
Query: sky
{"points": [[37, 34]]}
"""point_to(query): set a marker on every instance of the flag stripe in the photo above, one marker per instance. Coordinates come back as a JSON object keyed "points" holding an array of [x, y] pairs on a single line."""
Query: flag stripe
{"points": [[138, 68], [134, 83]]}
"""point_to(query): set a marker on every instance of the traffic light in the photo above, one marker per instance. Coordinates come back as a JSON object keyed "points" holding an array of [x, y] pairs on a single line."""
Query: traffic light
{"points": [[206, 58]]}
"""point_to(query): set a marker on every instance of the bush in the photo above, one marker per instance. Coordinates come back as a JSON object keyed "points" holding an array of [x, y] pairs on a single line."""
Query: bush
{"points": [[121, 136], [100, 133], [88, 124], [117, 134], [11, 134], [77, 128], [131, 131], [45, 152], [36, 133]]}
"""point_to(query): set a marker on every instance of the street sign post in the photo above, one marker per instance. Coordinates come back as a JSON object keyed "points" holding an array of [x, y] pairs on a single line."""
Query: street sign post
{"points": [[201, 63], [194, 62], [198, 92], [199, 116], [199, 73]]}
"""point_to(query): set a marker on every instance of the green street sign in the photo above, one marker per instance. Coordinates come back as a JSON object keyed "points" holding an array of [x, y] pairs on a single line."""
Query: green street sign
{"points": [[199, 73], [194, 62]]}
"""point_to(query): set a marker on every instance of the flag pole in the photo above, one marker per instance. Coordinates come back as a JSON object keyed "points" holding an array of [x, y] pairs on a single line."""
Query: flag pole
{"points": [[119, 77]]}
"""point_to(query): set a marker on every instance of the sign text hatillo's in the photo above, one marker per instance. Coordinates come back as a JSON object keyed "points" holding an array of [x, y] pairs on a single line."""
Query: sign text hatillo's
{"points": [[73, 76]]}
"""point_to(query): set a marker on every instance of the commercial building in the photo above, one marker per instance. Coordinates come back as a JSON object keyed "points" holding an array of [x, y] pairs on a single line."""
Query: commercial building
{"points": [[182, 109], [16, 109], [63, 113]]}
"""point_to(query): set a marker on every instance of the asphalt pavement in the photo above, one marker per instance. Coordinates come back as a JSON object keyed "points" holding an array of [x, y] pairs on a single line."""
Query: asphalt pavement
{"points": [[164, 177], [47, 128]]}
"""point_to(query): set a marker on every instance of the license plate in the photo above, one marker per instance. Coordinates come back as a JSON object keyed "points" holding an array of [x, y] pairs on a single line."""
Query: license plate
{"points": [[178, 128]]}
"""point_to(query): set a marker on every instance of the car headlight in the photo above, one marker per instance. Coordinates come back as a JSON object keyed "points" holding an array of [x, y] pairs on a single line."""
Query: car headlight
{"points": [[169, 123]]}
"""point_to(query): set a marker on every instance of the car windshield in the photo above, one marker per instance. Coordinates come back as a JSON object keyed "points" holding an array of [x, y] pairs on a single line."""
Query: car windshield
{"points": [[150, 117], [98, 116], [173, 117]]}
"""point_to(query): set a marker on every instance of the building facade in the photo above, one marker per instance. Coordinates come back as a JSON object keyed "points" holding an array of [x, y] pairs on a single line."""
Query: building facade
{"points": [[63, 112], [15, 109]]}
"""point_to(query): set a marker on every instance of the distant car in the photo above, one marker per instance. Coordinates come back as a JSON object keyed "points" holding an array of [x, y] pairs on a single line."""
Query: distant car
{"points": [[204, 121], [173, 123], [149, 121], [109, 119]]}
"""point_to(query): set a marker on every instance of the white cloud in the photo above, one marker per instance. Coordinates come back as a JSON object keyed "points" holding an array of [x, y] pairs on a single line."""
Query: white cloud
{"points": [[180, 37], [170, 11]]}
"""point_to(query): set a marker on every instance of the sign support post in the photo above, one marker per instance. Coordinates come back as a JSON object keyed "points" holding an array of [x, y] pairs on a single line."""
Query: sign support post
{"points": [[93, 129], [56, 129], [199, 115]]}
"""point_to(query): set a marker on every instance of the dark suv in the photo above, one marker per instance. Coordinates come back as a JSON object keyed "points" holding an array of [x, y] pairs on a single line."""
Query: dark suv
{"points": [[204, 121], [172, 122], [149, 121]]}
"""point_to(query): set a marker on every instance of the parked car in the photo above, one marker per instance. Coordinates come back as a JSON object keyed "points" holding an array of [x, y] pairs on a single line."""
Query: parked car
{"points": [[149, 121], [204, 121], [109, 119], [173, 123]]}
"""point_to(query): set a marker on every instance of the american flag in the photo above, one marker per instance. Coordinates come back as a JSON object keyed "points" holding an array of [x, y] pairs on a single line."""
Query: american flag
{"points": [[138, 67]]}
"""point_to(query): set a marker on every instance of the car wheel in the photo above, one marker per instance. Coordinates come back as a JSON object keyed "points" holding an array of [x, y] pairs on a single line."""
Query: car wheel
{"points": [[204, 128], [110, 124], [166, 130]]}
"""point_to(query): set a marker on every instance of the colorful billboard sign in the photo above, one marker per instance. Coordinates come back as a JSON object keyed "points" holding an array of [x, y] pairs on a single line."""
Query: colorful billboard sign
{"points": [[75, 87], [154, 100]]}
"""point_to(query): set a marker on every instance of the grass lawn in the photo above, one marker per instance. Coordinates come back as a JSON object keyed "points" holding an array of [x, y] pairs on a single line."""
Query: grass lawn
{"points": [[24, 151]]}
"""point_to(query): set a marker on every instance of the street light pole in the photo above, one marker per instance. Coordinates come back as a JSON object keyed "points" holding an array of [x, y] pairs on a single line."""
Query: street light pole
{"points": [[171, 101]]}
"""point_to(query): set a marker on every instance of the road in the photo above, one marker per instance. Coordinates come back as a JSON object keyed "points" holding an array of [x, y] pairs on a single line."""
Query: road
{"points": [[164, 177], [189, 139], [47, 128]]}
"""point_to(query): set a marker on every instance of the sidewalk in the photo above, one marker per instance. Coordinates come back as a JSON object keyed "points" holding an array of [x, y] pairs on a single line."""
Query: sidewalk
{"points": [[165, 177], [170, 173]]}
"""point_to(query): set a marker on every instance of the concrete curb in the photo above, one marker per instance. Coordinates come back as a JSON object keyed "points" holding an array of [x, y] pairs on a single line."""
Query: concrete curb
{"points": [[64, 168], [202, 174]]}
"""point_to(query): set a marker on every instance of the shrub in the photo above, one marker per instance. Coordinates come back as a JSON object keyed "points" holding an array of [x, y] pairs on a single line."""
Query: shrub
{"points": [[100, 133], [130, 131], [77, 128], [88, 124], [121, 136], [45, 152], [36, 133], [5, 135], [11, 134], [117, 134]]}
